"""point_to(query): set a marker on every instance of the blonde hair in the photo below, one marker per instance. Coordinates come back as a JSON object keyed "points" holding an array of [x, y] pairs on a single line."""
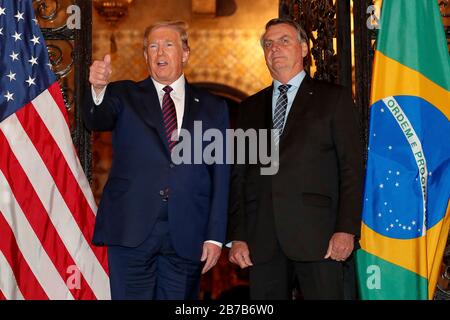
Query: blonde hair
{"points": [[179, 26]]}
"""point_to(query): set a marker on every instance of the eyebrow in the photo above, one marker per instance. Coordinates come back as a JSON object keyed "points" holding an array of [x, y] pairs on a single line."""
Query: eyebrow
{"points": [[283, 36], [162, 40]]}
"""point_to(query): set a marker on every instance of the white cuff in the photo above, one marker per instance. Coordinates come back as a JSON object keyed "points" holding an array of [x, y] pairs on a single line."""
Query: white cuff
{"points": [[98, 99], [214, 242]]}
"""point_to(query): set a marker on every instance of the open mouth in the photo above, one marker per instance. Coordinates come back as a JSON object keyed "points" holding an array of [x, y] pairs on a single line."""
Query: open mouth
{"points": [[162, 64]]}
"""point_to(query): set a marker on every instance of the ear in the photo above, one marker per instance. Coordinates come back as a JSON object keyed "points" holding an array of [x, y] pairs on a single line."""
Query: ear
{"points": [[146, 56], [185, 56], [304, 46]]}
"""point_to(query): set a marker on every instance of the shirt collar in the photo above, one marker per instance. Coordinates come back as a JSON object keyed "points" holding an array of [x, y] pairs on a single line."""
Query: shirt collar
{"points": [[177, 85], [295, 82]]}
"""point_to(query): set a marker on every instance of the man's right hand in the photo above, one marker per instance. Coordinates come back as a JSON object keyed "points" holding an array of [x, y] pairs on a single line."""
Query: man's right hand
{"points": [[99, 73], [240, 254]]}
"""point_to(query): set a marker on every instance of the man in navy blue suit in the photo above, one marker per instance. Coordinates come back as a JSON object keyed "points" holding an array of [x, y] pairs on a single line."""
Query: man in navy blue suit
{"points": [[164, 223]]}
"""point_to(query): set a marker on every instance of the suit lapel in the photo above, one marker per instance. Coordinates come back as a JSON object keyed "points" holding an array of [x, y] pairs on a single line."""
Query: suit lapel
{"points": [[267, 104], [261, 112], [301, 101], [192, 105], [150, 109]]}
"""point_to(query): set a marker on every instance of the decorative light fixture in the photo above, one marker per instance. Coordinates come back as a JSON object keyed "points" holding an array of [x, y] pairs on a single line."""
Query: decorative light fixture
{"points": [[112, 11]]}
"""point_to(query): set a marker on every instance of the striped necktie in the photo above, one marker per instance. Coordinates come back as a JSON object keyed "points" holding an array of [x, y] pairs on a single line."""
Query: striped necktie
{"points": [[280, 111], [169, 117]]}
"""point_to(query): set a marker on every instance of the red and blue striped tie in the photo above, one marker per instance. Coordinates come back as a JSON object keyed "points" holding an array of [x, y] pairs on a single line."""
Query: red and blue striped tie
{"points": [[169, 117]]}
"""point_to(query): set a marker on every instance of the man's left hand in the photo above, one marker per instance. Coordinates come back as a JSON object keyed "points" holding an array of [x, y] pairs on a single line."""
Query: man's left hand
{"points": [[340, 246], [211, 253]]}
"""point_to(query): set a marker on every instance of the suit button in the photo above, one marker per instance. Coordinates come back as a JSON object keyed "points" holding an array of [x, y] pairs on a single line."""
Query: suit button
{"points": [[164, 194]]}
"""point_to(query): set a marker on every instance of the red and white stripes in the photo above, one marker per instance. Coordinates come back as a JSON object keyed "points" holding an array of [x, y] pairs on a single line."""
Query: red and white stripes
{"points": [[47, 211]]}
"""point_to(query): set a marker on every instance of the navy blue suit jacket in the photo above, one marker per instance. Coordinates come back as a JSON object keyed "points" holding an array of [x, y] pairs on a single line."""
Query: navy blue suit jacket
{"points": [[142, 170]]}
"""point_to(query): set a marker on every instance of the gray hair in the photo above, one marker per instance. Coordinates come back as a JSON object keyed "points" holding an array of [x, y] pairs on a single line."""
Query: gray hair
{"points": [[179, 26], [301, 33]]}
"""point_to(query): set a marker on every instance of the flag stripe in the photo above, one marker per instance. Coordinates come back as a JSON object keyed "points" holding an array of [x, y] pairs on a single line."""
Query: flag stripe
{"points": [[436, 243], [30, 246], [72, 196], [394, 79], [45, 198], [39, 219], [402, 252], [58, 163], [376, 275], [55, 92], [60, 215], [418, 41], [10, 255], [2, 297], [53, 120]]}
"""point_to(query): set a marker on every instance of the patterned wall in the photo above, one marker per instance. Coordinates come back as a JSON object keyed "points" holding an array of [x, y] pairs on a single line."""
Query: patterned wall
{"points": [[225, 56], [230, 57]]}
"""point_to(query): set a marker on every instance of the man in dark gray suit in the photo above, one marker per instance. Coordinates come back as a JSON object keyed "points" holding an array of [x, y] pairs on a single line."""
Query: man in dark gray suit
{"points": [[301, 223]]}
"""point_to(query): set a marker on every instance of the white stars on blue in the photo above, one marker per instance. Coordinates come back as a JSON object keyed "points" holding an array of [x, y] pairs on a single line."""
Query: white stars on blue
{"points": [[17, 36], [35, 40], [390, 184], [33, 61], [19, 16], [30, 81], [11, 76], [9, 96], [14, 56], [24, 57]]}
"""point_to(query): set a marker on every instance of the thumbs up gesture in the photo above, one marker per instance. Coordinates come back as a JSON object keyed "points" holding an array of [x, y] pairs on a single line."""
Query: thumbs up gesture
{"points": [[99, 73]]}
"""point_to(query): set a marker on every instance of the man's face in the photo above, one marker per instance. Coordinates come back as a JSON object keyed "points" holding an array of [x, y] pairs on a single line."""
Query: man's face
{"points": [[283, 51], [164, 55]]}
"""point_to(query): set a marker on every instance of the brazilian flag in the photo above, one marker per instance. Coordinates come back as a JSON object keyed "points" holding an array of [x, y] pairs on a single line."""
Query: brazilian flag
{"points": [[406, 213]]}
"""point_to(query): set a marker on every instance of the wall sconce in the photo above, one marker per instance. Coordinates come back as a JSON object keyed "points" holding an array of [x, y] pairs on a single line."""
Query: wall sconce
{"points": [[206, 8], [112, 11]]}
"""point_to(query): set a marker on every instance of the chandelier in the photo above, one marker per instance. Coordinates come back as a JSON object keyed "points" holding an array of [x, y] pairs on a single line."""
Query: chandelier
{"points": [[112, 11]]}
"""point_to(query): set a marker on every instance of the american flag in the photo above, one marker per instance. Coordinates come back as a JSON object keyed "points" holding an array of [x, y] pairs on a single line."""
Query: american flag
{"points": [[47, 211]]}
